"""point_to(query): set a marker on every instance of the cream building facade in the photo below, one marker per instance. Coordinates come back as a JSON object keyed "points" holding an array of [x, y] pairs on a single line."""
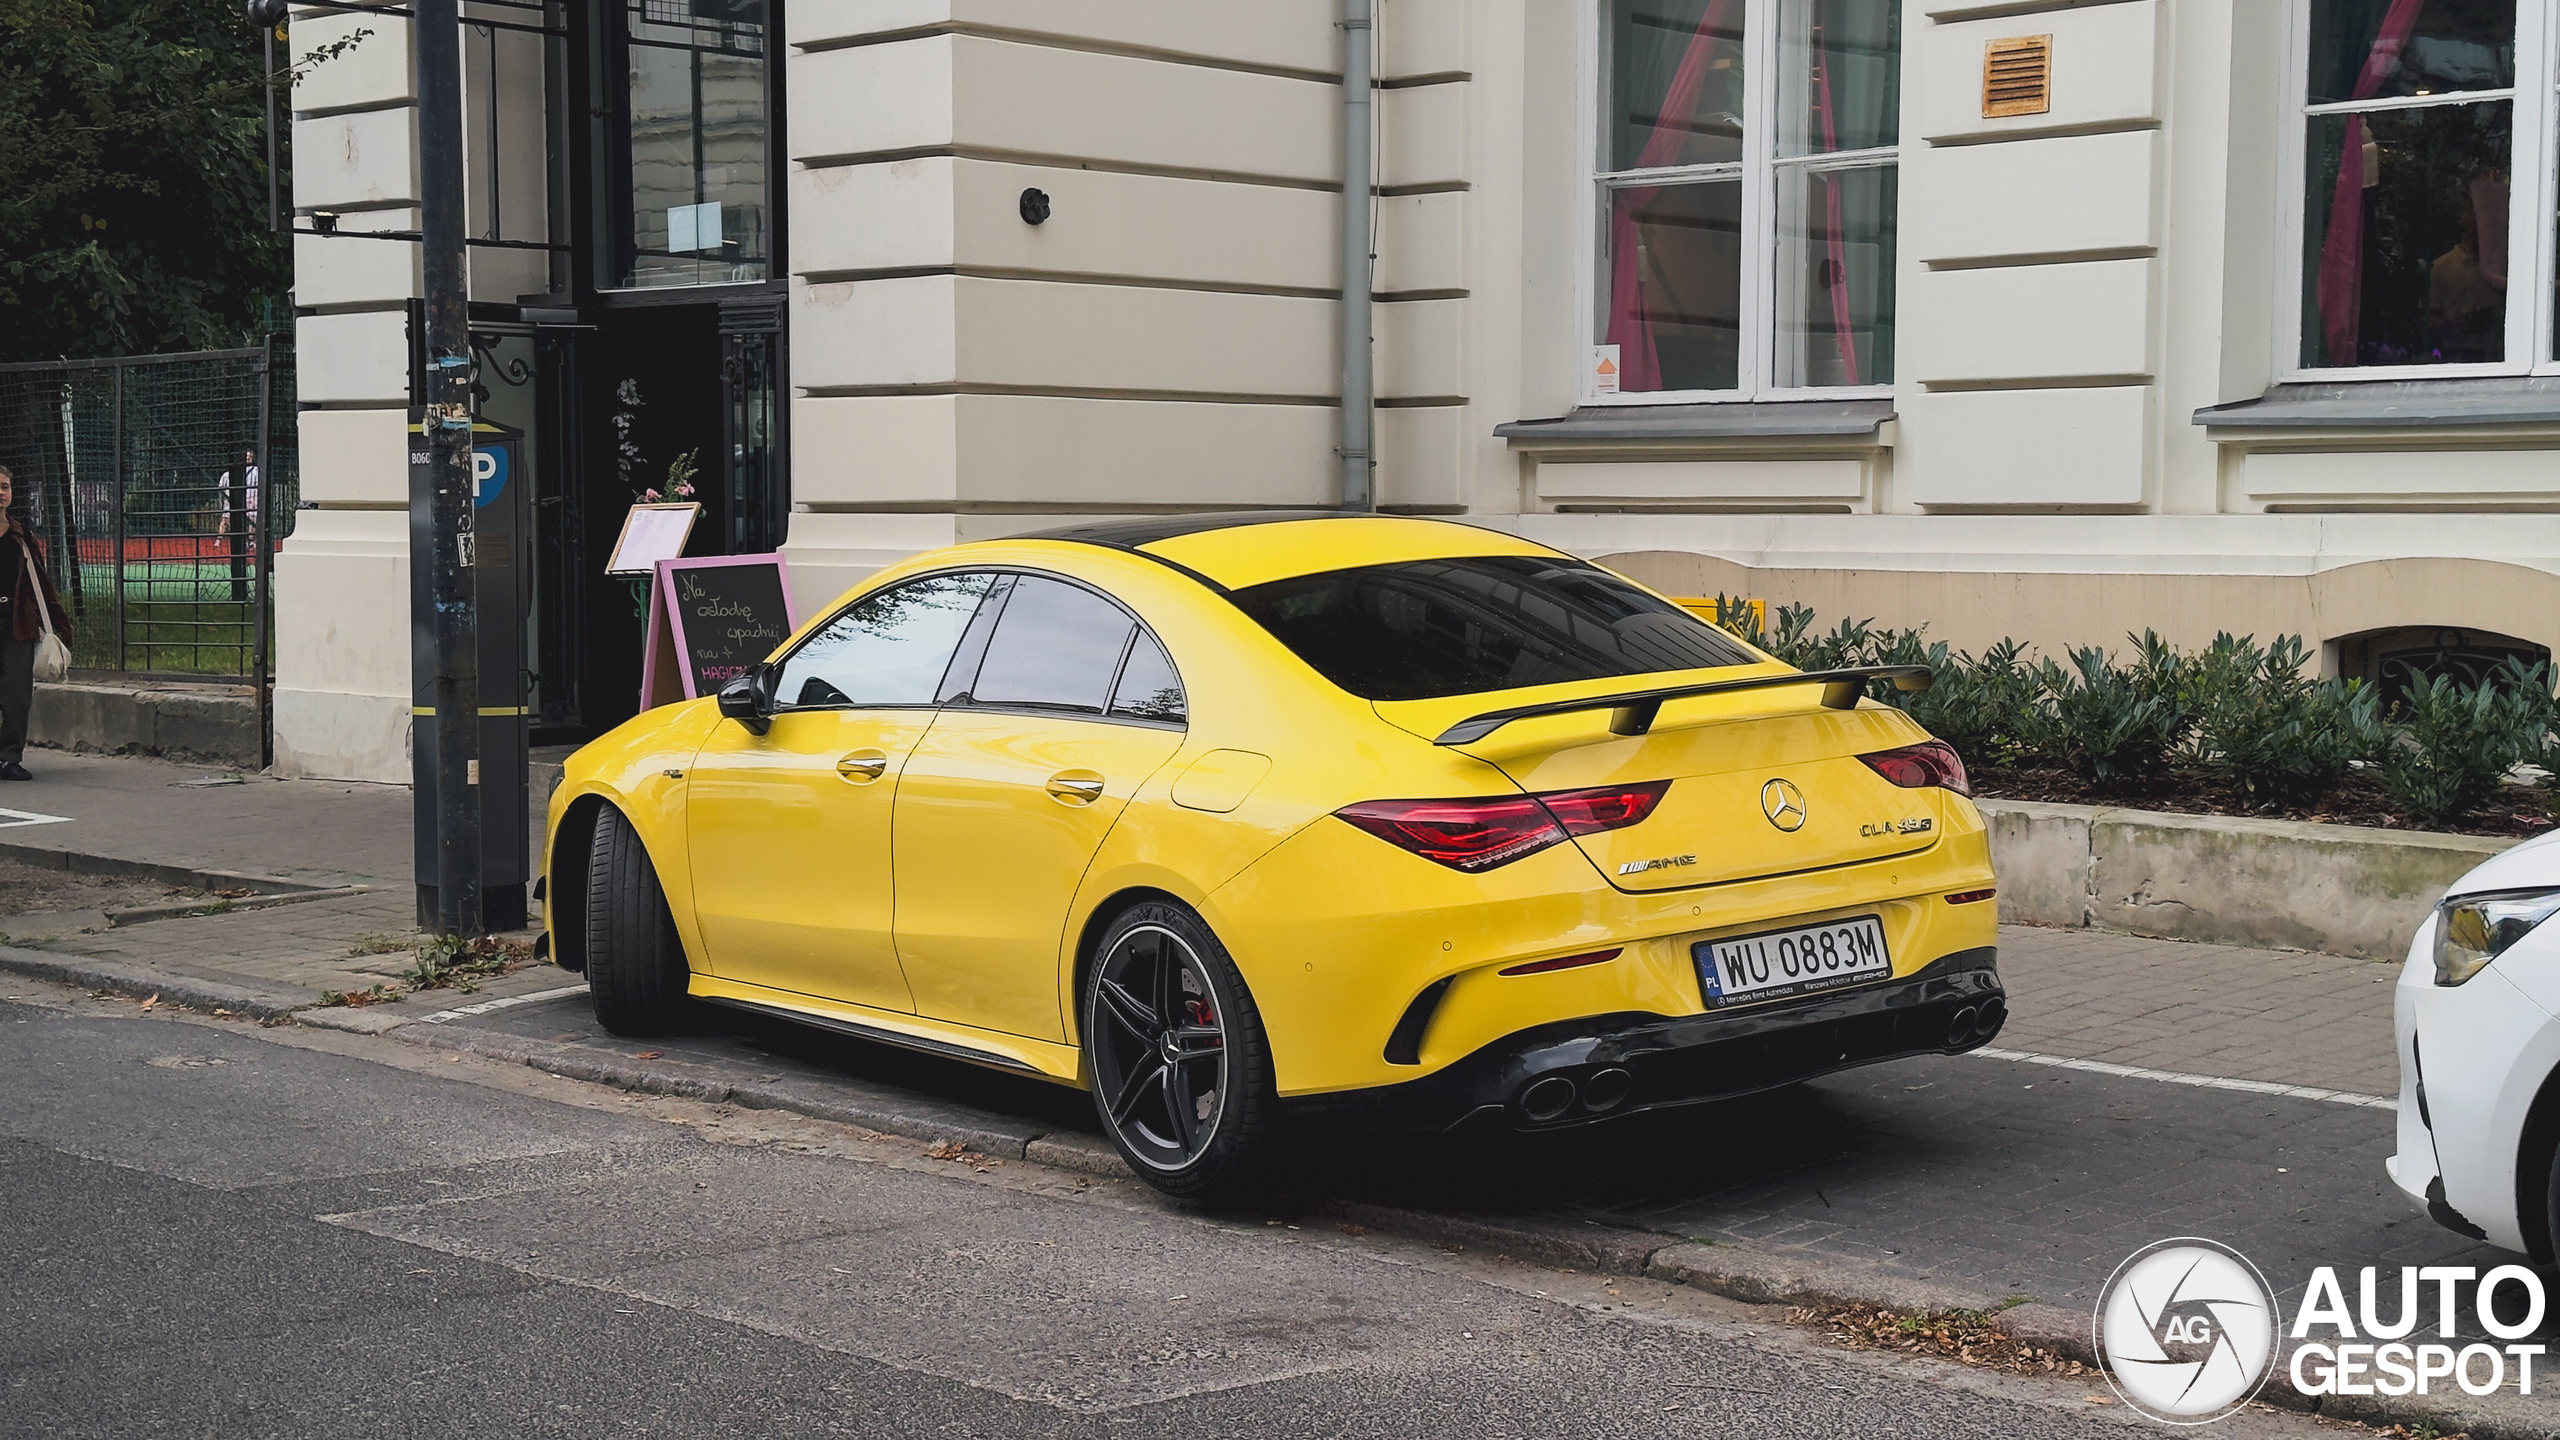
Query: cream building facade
{"points": [[2036, 319]]}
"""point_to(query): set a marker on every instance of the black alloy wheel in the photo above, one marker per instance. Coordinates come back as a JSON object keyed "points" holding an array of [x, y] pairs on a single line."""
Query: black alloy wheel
{"points": [[1181, 1072]]}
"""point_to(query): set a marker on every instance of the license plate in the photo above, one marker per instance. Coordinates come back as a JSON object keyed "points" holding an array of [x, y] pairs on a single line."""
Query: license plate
{"points": [[1799, 961]]}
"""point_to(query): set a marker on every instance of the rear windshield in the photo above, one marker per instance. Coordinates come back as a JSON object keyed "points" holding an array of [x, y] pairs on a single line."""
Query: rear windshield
{"points": [[1430, 628]]}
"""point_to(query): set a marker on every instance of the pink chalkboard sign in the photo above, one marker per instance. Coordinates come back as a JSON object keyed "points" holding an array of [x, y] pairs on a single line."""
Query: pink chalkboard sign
{"points": [[709, 621]]}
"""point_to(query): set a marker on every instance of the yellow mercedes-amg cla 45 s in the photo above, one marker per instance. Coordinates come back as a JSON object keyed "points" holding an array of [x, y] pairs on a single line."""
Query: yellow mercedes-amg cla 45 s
{"points": [[1247, 821]]}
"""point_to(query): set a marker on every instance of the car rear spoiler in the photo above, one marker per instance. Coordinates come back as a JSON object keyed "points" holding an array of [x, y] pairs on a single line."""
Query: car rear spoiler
{"points": [[1633, 711]]}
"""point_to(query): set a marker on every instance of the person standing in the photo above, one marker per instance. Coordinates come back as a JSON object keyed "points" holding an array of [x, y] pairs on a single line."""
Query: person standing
{"points": [[239, 510], [23, 581]]}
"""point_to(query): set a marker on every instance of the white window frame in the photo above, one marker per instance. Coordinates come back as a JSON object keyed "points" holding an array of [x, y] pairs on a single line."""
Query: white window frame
{"points": [[2533, 192], [1758, 170]]}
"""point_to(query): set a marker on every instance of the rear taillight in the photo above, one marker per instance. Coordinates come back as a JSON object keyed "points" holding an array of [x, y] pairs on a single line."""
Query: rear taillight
{"points": [[1916, 767], [1468, 835], [1483, 834], [1612, 807]]}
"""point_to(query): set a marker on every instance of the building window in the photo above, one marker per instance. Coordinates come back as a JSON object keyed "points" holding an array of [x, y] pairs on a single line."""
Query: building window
{"points": [[690, 191], [1744, 177], [2426, 182]]}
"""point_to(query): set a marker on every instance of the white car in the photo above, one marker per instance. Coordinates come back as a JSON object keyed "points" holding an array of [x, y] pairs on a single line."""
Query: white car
{"points": [[2477, 1013]]}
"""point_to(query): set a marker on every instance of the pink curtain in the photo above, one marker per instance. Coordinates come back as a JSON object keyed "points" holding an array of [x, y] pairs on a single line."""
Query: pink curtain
{"points": [[1837, 269], [1639, 364], [2341, 285]]}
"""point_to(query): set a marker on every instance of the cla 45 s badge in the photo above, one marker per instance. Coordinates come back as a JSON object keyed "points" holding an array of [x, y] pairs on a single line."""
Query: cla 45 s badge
{"points": [[1666, 862]]}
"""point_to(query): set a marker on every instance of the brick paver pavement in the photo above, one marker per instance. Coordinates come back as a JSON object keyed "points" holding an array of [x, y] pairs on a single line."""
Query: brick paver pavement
{"points": [[2283, 1016]]}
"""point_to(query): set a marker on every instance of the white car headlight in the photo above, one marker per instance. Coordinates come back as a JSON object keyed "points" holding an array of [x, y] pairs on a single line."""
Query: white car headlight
{"points": [[2476, 929]]}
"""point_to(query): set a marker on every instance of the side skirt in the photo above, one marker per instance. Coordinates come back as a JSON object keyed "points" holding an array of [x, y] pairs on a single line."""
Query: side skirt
{"points": [[1013, 1055]]}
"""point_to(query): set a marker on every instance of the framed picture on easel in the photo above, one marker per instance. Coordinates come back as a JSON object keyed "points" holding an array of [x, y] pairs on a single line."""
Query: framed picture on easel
{"points": [[651, 533]]}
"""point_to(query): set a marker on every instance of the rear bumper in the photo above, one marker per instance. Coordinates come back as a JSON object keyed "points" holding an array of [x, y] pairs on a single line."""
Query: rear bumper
{"points": [[1619, 1064]]}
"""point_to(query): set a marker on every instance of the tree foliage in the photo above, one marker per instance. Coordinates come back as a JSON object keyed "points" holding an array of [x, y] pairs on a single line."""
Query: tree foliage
{"points": [[133, 180]]}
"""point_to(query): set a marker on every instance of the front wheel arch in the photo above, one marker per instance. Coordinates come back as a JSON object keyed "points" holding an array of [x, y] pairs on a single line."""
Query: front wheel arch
{"points": [[564, 893], [2538, 1173]]}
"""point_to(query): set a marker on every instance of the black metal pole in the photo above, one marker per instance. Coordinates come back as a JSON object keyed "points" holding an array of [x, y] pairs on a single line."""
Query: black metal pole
{"points": [[275, 196], [116, 485], [447, 398], [256, 495]]}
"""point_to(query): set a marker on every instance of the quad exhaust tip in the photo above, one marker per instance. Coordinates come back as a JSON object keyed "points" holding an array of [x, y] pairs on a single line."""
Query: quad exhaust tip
{"points": [[1548, 1098], [1607, 1089], [1969, 1026]]}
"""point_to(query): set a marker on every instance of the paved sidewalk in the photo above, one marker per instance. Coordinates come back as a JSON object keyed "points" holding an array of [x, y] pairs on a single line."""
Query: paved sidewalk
{"points": [[317, 832], [151, 813]]}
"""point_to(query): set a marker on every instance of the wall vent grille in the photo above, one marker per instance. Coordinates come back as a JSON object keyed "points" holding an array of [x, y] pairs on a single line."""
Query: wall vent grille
{"points": [[2017, 76]]}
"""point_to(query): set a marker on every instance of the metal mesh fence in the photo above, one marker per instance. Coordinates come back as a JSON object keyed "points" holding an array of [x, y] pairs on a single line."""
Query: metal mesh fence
{"points": [[150, 480]]}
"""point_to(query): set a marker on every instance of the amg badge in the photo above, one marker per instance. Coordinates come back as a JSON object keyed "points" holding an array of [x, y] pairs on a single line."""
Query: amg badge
{"points": [[1667, 862]]}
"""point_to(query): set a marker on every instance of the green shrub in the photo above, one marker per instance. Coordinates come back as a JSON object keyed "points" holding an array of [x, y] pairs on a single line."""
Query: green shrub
{"points": [[1987, 708], [2451, 743], [2112, 726], [2268, 729]]}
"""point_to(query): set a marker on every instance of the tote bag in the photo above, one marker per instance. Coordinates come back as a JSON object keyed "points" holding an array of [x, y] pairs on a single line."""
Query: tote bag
{"points": [[53, 657]]}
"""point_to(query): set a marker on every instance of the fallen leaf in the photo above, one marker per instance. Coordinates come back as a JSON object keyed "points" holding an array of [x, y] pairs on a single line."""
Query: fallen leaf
{"points": [[1347, 1228], [648, 1055], [2099, 1399]]}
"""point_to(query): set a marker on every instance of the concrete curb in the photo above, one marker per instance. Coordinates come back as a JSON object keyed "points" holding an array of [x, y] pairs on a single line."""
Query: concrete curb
{"points": [[883, 1111], [189, 909], [142, 983], [82, 863]]}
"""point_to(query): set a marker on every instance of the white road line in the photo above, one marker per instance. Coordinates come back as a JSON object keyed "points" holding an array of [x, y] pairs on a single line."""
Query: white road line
{"points": [[29, 817], [2208, 1082], [509, 1003]]}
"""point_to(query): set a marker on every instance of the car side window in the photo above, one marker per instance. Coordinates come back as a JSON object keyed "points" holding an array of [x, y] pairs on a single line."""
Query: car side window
{"points": [[1056, 647], [1149, 689], [885, 649]]}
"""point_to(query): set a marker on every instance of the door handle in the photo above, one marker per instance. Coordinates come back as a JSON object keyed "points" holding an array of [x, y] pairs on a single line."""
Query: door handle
{"points": [[863, 766], [1075, 787]]}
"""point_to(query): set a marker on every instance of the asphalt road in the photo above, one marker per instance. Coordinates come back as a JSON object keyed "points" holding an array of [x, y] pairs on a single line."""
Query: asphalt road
{"points": [[211, 1229]]}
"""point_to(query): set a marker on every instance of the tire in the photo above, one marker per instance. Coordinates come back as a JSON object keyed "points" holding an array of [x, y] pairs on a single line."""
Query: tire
{"points": [[636, 971], [1181, 1066], [2551, 1210]]}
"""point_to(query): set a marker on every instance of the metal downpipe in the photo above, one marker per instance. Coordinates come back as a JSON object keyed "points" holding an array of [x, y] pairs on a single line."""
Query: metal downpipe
{"points": [[1359, 397]]}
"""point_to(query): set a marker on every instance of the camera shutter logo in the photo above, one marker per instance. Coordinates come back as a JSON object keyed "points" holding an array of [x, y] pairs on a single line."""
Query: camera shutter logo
{"points": [[2188, 1328]]}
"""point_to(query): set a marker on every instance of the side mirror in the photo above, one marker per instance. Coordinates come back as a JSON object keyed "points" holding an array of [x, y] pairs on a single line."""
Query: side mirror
{"points": [[742, 700]]}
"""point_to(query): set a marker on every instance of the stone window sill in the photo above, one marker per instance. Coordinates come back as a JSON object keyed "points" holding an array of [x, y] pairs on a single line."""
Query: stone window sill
{"points": [[1833, 420], [2389, 405]]}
